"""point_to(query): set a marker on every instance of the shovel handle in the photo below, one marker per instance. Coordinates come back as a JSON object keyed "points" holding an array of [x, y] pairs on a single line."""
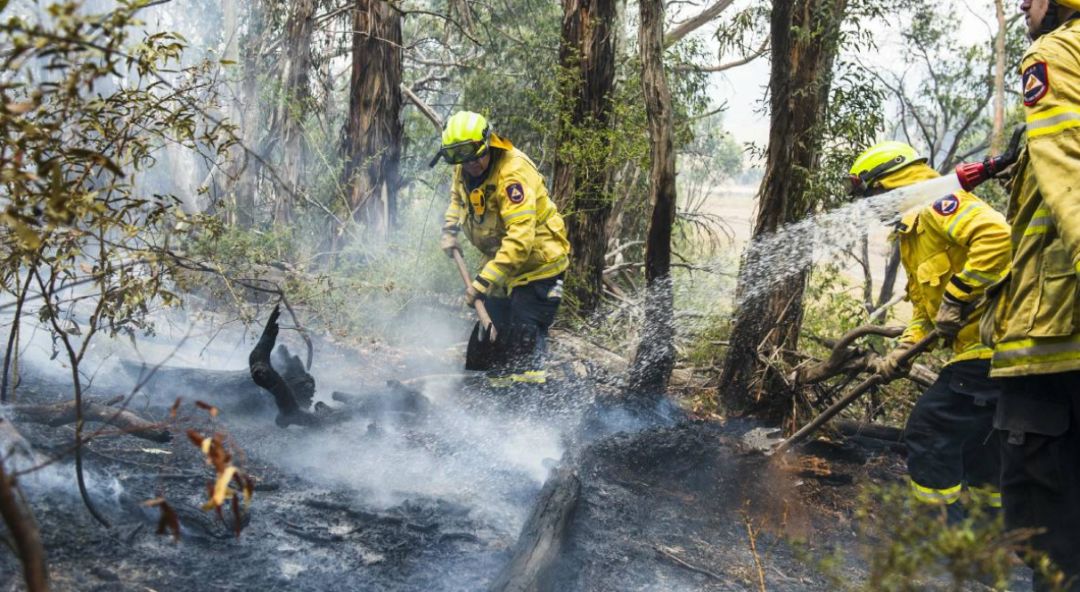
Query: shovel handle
{"points": [[855, 393], [481, 310]]}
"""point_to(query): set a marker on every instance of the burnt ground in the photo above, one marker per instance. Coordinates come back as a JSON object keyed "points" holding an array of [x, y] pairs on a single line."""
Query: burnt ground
{"points": [[436, 500], [669, 508]]}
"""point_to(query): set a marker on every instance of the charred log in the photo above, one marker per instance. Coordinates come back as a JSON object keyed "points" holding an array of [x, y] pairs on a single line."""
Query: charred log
{"points": [[264, 375], [230, 390], [542, 538], [66, 413], [396, 402]]}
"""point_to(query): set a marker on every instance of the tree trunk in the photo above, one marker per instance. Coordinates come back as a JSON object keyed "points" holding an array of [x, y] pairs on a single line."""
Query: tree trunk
{"points": [[655, 355], [767, 322], [294, 103], [888, 281], [997, 134], [587, 59], [18, 517], [373, 130]]}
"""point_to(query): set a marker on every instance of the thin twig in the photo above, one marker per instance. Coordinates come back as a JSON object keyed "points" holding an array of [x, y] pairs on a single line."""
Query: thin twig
{"points": [[667, 553]]}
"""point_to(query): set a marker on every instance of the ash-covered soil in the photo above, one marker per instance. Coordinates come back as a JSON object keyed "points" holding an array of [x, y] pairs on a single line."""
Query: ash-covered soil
{"points": [[673, 508], [435, 500]]}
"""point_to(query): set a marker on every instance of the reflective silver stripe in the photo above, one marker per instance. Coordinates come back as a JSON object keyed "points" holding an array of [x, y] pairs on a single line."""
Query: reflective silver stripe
{"points": [[515, 215], [1034, 126], [978, 277], [961, 216], [1034, 351]]}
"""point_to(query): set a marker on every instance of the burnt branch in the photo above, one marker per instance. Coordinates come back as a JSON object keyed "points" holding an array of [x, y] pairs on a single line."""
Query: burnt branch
{"points": [[843, 358], [264, 375], [66, 413]]}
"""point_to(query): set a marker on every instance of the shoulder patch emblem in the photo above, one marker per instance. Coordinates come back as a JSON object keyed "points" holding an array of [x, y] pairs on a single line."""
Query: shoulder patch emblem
{"points": [[515, 193], [1036, 83], [947, 205]]}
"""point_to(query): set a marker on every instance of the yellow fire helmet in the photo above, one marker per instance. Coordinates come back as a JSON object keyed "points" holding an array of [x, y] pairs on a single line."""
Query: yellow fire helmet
{"points": [[1073, 4], [880, 160], [465, 137]]}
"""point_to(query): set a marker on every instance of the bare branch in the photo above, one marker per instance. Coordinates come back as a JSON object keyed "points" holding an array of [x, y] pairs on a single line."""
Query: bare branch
{"points": [[695, 23]]}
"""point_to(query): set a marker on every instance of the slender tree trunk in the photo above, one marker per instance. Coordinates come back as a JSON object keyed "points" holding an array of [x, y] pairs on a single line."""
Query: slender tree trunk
{"points": [[997, 134], [242, 177], [373, 131], [295, 102], [888, 281], [767, 322], [24, 533], [655, 355], [587, 60]]}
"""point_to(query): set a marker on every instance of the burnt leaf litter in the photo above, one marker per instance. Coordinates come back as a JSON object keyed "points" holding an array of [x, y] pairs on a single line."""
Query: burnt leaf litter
{"points": [[662, 501]]}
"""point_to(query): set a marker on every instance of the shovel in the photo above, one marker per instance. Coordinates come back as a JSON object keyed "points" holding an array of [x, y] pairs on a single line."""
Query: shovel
{"points": [[858, 391], [482, 352]]}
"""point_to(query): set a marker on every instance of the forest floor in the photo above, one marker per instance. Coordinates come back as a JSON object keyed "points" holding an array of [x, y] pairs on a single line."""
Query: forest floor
{"points": [[436, 501]]}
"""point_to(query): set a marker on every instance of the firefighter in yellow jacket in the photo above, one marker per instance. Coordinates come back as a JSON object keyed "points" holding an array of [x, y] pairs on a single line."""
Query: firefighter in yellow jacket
{"points": [[498, 198], [951, 251], [1036, 316]]}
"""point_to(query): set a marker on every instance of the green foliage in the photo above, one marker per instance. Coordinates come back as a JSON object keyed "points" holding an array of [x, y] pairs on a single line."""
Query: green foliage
{"points": [[948, 82], [909, 546], [73, 148]]}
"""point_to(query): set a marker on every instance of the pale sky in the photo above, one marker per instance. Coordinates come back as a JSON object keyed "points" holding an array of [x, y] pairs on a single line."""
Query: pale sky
{"points": [[744, 87]]}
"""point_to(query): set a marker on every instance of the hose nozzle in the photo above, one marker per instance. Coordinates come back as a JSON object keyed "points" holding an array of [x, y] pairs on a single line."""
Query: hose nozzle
{"points": [[973, 174]]}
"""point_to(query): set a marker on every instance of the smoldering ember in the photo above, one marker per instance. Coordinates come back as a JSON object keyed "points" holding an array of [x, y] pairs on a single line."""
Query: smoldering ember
{"points": [[714, 295]]}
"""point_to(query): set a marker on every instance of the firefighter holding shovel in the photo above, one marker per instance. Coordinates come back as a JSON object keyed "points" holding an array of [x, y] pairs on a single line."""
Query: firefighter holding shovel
{"points": [[951, 252], [499, 201]]}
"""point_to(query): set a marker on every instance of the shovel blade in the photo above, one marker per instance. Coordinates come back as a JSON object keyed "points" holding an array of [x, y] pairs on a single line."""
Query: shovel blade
{"points": [[483, 352]]}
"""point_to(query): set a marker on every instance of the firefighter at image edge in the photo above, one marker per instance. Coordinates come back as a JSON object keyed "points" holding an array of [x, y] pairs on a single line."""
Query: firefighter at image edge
{"points": [[951, 251], [1034, 319], [498, 198]]}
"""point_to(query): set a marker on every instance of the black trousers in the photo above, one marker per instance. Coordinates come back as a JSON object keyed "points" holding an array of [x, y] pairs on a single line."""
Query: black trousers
{"points": [[1039, 416], [950, 434], [524, 318]]}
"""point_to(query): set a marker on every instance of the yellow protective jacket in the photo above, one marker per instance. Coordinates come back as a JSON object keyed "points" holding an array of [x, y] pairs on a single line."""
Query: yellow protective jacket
{"points": [[959, 246], [1036, 327], [511, 220]]}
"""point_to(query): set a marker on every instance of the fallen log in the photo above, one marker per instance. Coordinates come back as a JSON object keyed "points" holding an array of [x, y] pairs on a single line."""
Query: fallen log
{"points": [[14, 449], [264, 375], [229, 390], [536, 553], [58, 414], [876, 431]]}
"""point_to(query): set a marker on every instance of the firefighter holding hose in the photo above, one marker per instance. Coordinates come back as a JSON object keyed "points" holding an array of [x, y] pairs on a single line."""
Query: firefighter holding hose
{"points": [[951, 251], [498, 199], [1036, 312]]}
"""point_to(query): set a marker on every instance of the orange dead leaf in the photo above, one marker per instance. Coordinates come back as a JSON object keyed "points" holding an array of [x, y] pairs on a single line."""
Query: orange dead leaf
{"points": [[168, 520], [175, 407], [213, 411], [19, 108]]}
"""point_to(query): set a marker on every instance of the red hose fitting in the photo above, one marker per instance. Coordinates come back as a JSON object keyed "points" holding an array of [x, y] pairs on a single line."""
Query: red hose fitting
{"points": [[973, 174]]}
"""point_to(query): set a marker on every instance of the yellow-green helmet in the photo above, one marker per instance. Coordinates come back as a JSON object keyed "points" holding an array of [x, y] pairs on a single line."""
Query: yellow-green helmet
{"points": [[465, 137], [880, 160]]}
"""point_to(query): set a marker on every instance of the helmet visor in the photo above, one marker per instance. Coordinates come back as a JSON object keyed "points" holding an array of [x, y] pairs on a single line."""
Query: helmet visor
{"points": [[463, 152]]}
